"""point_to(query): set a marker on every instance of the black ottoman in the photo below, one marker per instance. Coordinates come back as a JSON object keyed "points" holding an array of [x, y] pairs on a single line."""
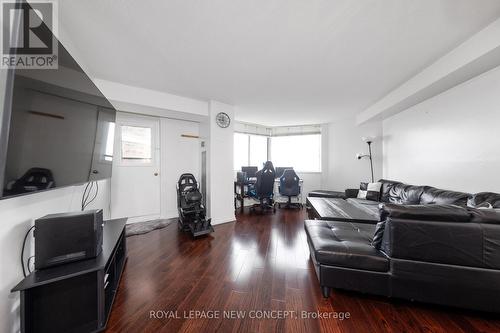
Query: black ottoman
{"points": [[344, 258]]}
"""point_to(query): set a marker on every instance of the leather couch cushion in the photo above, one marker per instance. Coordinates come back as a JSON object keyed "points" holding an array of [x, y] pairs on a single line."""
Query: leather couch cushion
{"points": [[351, 192], [491, 216], [405, 194], [345, 244], [433, 195], [444, 213], [482, 198], [368, 206], [491, 245], [386, 187], [378, 235]]}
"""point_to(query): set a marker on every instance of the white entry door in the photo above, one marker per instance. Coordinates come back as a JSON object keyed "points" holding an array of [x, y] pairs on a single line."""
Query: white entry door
{"points": [[135, 184]]}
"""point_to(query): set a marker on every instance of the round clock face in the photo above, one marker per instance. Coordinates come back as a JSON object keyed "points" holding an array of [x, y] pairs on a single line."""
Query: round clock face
{"points": [[222, 119]]}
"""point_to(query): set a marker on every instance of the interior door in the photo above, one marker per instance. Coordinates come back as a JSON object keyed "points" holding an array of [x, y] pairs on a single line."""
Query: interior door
{"points": [[135, 184]]}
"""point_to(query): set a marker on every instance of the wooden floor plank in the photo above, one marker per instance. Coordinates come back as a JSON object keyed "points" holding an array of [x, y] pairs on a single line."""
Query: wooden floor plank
{"points": [[259, 263]]}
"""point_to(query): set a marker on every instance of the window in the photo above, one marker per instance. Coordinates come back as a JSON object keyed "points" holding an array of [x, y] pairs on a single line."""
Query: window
{"points": [[249, 150], [110, 139], [136, 143], [258, 150], [240, 150], [303, 152]]}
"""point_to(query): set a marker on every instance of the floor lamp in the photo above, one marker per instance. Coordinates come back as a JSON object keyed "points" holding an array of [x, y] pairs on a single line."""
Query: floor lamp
{"points": [[359, 156]]}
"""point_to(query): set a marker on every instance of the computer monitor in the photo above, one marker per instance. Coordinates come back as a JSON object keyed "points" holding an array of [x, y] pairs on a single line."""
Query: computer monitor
{"points": [[280, 170], [250, 170]]}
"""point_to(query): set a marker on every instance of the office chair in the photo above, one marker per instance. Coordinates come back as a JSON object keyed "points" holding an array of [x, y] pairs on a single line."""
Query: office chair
{"points": [[280, 170], [263, 190], [290, 187]]}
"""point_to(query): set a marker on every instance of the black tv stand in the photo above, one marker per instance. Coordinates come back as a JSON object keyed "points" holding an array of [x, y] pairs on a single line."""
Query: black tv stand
{"points": [[75, 297]]}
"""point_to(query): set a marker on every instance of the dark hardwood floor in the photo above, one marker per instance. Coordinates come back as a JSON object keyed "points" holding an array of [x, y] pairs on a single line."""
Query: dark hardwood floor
{"points": [[260, 262]]}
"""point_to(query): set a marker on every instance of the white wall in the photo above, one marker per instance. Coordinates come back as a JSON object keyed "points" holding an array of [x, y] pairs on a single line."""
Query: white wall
{"points": [[311, 181], [450, 141], [151, 102], [344, 141], [476, 55], [16, 216], [178, 155], [220, 171]]}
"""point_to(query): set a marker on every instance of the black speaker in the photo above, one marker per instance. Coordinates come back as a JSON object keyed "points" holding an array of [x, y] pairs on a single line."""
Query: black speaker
{"points": [[67, 237]]}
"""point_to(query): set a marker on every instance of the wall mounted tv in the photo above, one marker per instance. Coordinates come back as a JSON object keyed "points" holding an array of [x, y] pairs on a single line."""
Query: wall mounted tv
{"points": [[57, 129]]}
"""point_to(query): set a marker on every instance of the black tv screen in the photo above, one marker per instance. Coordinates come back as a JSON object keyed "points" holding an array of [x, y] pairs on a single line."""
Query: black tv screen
{"points": [[60, 129]]}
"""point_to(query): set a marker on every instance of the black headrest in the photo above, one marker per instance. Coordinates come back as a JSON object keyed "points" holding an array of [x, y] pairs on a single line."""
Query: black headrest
{"points": [[38, 173], [268, 166], [187, 180], [289, 173]]}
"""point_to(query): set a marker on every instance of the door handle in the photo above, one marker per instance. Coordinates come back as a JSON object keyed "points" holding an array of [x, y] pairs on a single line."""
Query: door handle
{"points": [[156, 173], [95, 172]]}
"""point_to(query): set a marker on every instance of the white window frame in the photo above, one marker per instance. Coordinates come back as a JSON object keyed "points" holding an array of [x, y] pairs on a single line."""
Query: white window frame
{"points": [[154, 137], [248, 135]]}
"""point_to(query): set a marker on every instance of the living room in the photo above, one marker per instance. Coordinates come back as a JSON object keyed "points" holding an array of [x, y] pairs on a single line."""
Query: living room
{"points": [[250, 166]]}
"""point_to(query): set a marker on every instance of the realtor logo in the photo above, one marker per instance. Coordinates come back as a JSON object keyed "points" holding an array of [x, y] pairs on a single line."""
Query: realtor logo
{"points": [[28, 40]]}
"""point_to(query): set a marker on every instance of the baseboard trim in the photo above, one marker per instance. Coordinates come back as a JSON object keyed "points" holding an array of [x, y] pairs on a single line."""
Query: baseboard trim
{"points": [[223, 220]]}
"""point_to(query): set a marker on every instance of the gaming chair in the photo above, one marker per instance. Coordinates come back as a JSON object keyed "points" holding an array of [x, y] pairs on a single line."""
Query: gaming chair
{"points": [[263, 190], [192, 212]]}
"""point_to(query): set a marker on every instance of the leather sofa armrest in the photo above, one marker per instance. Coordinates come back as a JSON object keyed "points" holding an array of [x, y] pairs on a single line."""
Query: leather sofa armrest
{"points": [[452, 243], [443, 213], [352, 192], [490, 216]]}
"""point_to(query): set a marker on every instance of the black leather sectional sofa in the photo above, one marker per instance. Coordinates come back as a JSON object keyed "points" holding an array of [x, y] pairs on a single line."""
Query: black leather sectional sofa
{"points": [[430, 245]]}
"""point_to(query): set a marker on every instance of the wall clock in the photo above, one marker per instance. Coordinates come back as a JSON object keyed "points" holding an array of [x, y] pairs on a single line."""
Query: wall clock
{"points": [[222, 119]]}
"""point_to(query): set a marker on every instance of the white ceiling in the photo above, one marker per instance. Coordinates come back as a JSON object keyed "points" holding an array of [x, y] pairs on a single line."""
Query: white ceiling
{"points": [[280, 62]]}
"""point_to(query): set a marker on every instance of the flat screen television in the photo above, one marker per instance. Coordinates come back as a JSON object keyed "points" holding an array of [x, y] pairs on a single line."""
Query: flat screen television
{"points": [[57, 129]]}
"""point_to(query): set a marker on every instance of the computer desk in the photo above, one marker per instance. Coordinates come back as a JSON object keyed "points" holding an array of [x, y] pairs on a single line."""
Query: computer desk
{"points": [[240, 193]]}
